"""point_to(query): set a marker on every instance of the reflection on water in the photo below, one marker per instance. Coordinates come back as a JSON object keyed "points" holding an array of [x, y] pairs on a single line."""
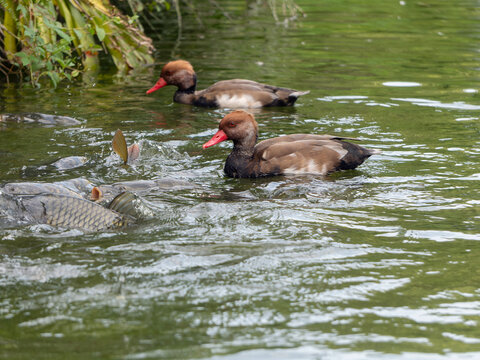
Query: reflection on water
{"points": [[379, 262]]}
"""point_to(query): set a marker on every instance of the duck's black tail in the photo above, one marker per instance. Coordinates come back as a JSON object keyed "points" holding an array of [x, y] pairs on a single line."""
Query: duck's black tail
{"points": [[292, 97]]}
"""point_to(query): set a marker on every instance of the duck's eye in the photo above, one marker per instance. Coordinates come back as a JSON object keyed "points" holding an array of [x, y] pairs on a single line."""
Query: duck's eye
{"points": [[168, 73], [231, 124]]}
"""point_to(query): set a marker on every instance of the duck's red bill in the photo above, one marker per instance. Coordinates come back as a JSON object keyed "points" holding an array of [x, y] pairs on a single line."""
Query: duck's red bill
{"points": [[160, 83], [217, 138]]}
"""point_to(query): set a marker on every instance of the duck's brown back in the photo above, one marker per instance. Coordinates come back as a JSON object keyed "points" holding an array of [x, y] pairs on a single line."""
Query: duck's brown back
{"points": [[307, 154], [241, 93]]}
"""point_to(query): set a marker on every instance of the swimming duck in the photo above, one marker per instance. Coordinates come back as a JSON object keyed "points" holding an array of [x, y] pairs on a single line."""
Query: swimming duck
{"points": [[285, 155], [236, 93]]}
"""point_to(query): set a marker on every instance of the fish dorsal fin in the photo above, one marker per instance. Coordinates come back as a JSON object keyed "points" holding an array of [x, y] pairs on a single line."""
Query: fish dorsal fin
{"points": [[120, 145]]}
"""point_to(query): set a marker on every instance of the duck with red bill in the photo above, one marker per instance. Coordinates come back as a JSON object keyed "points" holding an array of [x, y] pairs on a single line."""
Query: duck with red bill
{"points": [[158, 85], [293, 154], [217, 138], [235, 93]]}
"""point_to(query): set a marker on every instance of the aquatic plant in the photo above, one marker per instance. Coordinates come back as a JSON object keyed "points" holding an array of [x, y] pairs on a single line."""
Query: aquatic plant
{"points": [[58, 39]]}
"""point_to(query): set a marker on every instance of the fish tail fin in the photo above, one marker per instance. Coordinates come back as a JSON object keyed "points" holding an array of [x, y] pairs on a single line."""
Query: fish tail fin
{"points": [[119, 145], [133, 152]]}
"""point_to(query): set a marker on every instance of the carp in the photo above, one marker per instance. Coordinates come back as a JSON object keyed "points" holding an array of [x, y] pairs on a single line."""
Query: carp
{"points": [[63, 211]]}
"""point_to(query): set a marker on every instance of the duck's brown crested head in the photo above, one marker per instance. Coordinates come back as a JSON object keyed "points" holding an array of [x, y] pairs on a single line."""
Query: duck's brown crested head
{"points": [[177, 65], [238, 125], [179, 73]]}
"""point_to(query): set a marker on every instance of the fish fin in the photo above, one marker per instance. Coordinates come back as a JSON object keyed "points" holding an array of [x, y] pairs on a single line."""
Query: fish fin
{"points": [[120, 145], [96, 194], [133, 152]]}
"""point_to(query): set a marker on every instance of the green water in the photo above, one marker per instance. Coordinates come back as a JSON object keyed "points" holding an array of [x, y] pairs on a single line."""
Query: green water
{"points": [[379, 262]]}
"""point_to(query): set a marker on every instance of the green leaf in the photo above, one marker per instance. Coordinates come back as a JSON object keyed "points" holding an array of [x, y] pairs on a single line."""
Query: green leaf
{"points": [[100, 33], [36, 64], [22, 9], [63, 34], [29, 31], [132, 19], [49, 23], [61, 62], [24, 58], [78, 32], [54, 77], [117, 20]]}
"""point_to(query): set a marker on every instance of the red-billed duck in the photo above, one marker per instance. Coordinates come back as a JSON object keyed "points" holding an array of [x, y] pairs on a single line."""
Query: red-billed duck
{"points": [[285, 155], [236, 93]]}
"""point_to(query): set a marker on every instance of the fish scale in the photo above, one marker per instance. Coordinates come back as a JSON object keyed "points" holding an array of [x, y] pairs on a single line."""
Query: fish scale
{"points": [[72, 212]]}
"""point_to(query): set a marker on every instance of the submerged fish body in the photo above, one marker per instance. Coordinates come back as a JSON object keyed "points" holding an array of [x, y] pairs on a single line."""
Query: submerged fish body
{"points": [[63, 211], [35, 188], [104, 194], [59, 204], [72, 212], [44, 119], [70, 162], [62, 164], [78, 185], [74, 187], [68, 204]]}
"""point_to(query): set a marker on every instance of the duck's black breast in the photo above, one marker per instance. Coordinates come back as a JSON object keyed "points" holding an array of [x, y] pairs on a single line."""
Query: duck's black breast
{"points": [[237, 166], [205, 101]]}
